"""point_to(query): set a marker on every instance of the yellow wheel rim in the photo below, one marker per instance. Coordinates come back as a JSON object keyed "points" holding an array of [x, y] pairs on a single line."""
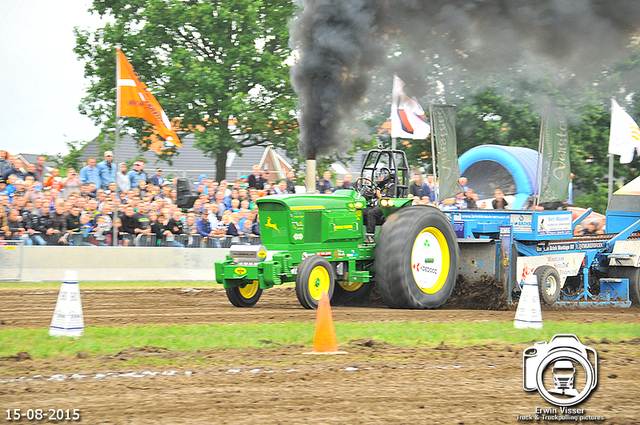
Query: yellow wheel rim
{"points": [[319, 282], [249, 290], [350, 286], [430, 260]]}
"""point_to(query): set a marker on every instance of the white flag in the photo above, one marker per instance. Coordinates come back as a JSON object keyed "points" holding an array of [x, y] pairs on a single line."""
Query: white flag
{"points": [[408, 119], [624, 135]]}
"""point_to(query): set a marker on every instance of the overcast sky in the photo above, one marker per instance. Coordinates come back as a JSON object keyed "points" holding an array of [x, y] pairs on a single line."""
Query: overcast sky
{"points": [[41, 80]]}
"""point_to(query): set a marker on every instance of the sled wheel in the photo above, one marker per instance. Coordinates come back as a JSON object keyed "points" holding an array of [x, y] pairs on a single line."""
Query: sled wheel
{"points": [[548, 284], [416, 258], [351, 293], [315, 276], [633, 274], [244, 295]]}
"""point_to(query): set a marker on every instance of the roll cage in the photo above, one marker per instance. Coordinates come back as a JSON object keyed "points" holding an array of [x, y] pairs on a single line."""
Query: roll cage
{"points": [[393, 162]]}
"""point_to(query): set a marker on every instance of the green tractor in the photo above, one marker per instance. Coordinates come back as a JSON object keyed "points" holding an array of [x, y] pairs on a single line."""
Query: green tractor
{"points": [[319, 241]]}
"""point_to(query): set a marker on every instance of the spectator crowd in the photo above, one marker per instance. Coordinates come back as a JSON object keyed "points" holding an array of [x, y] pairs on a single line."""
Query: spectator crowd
{"points": [[44, 208], [41, 207]]}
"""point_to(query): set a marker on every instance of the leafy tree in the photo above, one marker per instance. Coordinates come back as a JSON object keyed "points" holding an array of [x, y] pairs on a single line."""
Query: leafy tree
{"points": [[590, 160], [489, 117], [220, 67], [589, 156], [69, 160]]}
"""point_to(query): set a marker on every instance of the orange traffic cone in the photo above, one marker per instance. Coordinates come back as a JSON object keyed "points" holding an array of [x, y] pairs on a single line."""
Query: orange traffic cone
{"points": [[324, 339]]}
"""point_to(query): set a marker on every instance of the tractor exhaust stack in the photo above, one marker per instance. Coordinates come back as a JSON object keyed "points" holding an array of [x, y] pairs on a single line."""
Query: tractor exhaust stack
{"points": [[310, 178]]}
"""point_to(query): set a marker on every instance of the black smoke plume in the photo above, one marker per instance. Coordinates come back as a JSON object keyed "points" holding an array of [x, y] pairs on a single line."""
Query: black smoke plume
{"points": [[340, 43]]}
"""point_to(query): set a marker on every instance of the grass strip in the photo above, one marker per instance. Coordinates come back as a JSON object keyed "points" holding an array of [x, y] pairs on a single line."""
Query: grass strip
{"points": [[184, 338]]}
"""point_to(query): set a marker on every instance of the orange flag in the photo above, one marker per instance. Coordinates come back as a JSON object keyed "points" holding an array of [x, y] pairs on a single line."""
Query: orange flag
{"points": [[134, 100]]}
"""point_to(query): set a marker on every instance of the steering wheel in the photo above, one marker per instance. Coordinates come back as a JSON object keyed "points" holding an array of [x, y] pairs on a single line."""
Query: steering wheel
{"points": [[364, 187]]}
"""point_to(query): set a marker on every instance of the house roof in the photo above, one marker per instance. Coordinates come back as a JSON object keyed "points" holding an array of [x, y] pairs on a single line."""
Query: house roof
{"points": [[31, 158], [190, 161], [28, 158]]}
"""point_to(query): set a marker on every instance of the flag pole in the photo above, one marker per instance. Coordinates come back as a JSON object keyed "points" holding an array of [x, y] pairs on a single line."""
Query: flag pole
{"points": [[114, 236], [436, 186], [117, 138], [610, 188], [610, 194]]}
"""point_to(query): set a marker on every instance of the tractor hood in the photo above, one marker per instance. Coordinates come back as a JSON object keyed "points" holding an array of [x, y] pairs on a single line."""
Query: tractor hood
{"points": [[311, 220], [347, 199]]}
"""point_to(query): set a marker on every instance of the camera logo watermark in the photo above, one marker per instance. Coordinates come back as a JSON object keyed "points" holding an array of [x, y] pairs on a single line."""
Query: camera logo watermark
{"points": [[564, 371]]}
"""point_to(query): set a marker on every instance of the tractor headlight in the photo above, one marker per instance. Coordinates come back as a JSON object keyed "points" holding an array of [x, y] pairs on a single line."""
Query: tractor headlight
{"points": [[386, 202], [359, 204]]}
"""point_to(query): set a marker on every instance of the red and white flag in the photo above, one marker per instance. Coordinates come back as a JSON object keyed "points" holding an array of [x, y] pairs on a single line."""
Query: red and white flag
{"points": [[408, 119], [624, 135], [134, 100]]}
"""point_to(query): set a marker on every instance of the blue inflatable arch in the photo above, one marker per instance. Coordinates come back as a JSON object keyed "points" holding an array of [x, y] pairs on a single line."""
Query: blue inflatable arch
{"points": [[509, 168]]}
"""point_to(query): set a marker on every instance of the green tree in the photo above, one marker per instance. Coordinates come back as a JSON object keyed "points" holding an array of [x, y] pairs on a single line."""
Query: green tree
{"points": [[69, 160], [220, 67], [589, 156], [489, 117]]}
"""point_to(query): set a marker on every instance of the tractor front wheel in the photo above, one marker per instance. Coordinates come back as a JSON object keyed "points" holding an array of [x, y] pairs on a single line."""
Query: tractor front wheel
{"points": [[245, 295], [315, 276], [416, 258]]}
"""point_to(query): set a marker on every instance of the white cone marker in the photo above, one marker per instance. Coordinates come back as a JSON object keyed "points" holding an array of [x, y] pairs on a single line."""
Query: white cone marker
{"points": [[529, 313], [67, 317]]}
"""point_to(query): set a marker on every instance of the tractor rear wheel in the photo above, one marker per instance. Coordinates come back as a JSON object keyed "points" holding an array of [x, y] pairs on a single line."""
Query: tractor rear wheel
{"points": [[315, 276], [416, 258], [548, 284], [351, 293], [245, 295], [633, 274]]}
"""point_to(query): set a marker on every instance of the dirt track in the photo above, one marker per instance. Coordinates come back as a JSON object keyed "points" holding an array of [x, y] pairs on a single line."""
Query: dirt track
{"points": [[29, 309], [374, 383]]}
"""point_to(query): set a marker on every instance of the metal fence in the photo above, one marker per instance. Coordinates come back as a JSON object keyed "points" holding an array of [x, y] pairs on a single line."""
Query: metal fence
{"points": [[126, 239]]}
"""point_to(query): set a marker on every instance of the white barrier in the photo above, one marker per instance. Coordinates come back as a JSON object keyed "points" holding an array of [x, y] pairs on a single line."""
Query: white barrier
{"points": [[114, 264]]}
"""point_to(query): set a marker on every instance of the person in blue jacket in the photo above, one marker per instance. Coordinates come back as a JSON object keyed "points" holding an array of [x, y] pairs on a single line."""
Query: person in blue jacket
{"points": [[90, 173], [137, 174], [107, 169]]}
